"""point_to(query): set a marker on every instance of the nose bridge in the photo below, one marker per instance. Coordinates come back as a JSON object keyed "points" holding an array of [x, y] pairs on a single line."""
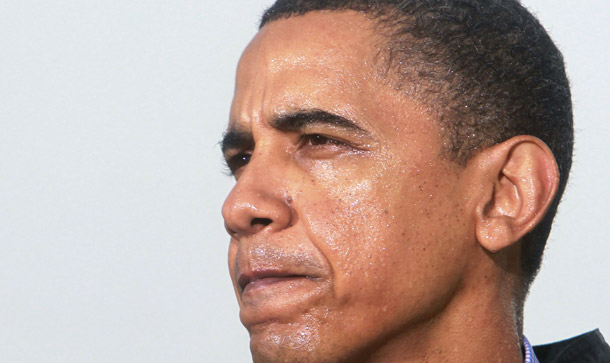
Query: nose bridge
{"points": [[259, 199]]}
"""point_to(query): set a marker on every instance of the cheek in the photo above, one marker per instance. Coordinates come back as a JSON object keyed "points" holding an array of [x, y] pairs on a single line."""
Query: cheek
{"points": [[384, 229], [341, 197], [348, 218]]}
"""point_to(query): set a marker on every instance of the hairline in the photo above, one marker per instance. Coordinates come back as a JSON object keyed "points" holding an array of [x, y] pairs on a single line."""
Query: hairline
{"points": [[392, 76]]}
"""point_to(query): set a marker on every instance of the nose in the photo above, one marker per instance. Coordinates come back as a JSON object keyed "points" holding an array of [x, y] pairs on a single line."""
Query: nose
{"points": [[258, 201]]}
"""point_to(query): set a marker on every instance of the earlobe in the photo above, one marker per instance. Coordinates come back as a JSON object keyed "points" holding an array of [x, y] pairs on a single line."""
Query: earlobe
{"points": [[519, 179]]}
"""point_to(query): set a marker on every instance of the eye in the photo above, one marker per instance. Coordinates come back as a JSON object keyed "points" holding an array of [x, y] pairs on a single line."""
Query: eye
{"points": [[237, 161], [317, 139]]}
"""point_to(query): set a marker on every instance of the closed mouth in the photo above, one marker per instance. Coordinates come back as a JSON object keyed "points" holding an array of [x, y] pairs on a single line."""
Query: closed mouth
{"points": [[263, 278]]}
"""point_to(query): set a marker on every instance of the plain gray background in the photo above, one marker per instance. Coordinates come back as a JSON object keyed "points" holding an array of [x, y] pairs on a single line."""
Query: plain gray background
{"points": [[111, 242]]}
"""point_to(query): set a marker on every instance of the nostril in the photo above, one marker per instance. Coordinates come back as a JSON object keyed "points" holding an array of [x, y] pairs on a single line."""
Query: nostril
{"points": [[260, 221]]}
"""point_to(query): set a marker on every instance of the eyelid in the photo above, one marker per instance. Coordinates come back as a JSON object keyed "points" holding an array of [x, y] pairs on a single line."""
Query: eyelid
{"points": [[334, 140], [234, 160], [337, 141]]}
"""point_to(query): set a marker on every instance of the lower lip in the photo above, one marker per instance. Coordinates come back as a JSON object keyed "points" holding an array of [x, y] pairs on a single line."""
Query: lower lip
{"points": [[270, 282], [284, 298]]}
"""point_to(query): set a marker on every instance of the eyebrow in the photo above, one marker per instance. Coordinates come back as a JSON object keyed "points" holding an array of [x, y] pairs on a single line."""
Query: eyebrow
{"points": [[235, 138], [296, 121]]}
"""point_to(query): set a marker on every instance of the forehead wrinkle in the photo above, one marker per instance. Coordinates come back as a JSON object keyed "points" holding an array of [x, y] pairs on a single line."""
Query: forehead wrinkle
{"points": [[250, 88], [284, 48]]}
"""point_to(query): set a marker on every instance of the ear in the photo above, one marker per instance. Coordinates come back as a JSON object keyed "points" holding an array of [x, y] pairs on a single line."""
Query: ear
{"points": [[519, 179]]}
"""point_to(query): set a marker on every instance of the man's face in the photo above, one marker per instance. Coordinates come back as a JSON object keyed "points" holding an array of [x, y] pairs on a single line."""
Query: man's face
{"points": [[348, 227]]}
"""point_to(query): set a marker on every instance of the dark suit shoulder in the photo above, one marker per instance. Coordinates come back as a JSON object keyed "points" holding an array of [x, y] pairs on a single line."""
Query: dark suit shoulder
{"points": [[589, 347]]}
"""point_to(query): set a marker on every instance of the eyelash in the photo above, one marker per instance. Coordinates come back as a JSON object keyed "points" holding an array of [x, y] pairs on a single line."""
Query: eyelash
{"points": [[317, 139], [241, 159], [237, 161]]}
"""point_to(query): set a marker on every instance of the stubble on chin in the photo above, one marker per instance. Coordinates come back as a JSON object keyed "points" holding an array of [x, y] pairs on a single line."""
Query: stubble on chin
{"points": [[290, 342]]}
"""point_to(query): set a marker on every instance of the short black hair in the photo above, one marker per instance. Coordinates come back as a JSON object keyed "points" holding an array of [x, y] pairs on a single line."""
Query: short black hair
{"points": [[487, 68]]}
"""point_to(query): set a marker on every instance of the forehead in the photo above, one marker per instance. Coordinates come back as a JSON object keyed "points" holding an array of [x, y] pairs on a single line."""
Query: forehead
{"points": [[328, 61], [314, 39], [300, 61]]}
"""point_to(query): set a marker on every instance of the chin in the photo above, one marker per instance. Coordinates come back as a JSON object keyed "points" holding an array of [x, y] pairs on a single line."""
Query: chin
{"points": [[276, 342]]}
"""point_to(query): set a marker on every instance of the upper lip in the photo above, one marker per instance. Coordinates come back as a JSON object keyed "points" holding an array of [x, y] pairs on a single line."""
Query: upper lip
{"points": [[256, 261]]}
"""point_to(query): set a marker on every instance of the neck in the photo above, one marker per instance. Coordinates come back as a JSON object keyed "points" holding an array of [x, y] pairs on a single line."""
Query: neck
{"points": [[479, 324]]}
